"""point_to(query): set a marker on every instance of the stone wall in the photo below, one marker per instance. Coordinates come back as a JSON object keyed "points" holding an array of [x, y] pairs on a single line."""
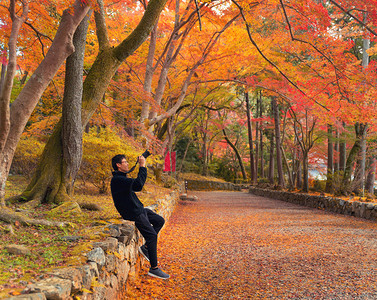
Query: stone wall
{"points": [[202, 185], [108, 264], [351, 208]]}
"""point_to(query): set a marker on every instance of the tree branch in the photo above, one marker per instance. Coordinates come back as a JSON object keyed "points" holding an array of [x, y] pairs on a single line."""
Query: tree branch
{"points": [[354, 17], [102, 35], [268, 60]]}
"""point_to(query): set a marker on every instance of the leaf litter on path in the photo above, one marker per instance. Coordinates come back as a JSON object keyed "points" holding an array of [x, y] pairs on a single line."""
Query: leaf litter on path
{"points": [[234, 245]]}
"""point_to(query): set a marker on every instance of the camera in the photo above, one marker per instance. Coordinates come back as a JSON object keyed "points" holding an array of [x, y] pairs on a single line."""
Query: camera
{"points": [[146, 153]]}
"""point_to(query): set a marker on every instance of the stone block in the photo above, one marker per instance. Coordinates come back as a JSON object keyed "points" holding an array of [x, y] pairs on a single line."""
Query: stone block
{"points": [[110, 263], [113, 243], [72, 274], [54, 288], [110, 244], [114, 282], [112, 230], [110, 293], [97, 255], [17, 249], [36, 296], [123, 270], [99, 293], [88, 272]]}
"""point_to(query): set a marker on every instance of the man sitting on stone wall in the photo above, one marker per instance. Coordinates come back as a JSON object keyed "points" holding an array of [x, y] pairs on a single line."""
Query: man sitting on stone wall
{"points": [[130, 208]]}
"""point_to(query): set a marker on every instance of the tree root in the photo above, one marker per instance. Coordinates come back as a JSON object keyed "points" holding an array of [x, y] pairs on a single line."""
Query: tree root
{"points": [[9, 216]]}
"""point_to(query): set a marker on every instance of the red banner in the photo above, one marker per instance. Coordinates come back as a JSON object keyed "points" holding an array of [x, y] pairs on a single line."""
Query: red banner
{"points": [[170, 161], [173, 159]]}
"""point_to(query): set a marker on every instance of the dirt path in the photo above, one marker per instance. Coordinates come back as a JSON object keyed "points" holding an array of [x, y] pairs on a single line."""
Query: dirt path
{"points": [[233, 245]]}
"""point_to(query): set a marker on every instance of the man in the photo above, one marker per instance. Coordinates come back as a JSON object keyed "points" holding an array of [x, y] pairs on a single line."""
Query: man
{"points": [[130, 208]]}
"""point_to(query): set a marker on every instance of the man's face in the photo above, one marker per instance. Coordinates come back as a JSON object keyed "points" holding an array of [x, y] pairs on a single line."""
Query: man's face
{"points": [[123, 166]]}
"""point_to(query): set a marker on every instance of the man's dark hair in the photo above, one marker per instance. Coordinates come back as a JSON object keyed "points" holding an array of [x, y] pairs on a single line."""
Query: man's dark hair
{"points": [[117, 159]]}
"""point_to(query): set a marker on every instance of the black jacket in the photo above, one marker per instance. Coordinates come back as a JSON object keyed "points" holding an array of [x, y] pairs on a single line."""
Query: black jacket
{"points": [[123, 191]]}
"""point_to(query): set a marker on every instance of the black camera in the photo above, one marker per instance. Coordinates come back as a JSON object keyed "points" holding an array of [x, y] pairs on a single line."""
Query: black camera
{"points": [[146, 153]]}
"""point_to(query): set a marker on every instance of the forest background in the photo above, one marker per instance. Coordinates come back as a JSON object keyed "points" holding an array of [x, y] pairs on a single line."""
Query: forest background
{"points": [[259, 92], [254, 92]]}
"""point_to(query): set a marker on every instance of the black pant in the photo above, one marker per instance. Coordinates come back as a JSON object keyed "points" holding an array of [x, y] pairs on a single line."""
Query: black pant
{"points": [[149, 224]]}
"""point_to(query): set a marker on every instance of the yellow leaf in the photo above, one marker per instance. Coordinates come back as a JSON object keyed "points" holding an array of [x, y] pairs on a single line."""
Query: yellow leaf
{"points": [[87, 291]]}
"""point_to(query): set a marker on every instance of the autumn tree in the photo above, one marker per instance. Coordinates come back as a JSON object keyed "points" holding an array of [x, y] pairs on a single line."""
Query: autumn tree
{"points": [[45, 186], [13, 119]]}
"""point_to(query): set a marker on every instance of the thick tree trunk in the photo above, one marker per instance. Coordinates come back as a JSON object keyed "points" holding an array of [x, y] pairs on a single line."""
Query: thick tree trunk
{"points": [[47, 179], [71, 116], [24, 104], [279, 161], [330, 161], [149, 71], [359, 176], [56, 184], [346, 181], [253, 175]]}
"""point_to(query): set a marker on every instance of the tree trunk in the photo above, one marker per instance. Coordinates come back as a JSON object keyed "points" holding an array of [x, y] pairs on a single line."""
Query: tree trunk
{"points": [[330, 161], [369, 184], [71, 115], [253, 175], [261, 138], [359, 177], [305, 175], [7, 80], [2, 75], [346, 181], [185, 154], [257, 139], [299, 176], [342, 152], [237, 155], [289, 171], [271, 169], [24, 104], [278, 143], [149, 71], [204, 155], [95, 85], [56, 184], [336, 152]]}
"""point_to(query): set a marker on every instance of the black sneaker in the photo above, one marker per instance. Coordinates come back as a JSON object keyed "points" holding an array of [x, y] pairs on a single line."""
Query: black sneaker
{"points": [[144, 252], [158, 273]]}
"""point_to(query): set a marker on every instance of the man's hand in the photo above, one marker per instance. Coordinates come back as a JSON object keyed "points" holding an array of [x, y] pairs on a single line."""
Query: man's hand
{"points": [[142, 161]]}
